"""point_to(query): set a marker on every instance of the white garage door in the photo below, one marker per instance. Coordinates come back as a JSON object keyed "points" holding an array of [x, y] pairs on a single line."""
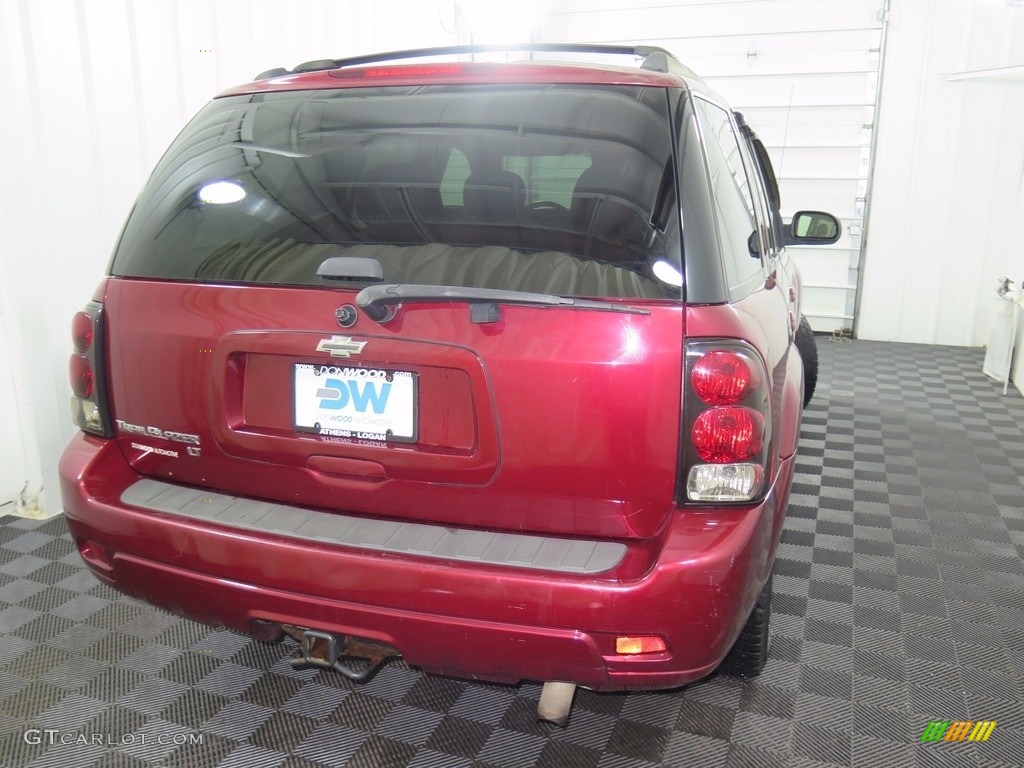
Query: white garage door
{"points": [[805, 74]]}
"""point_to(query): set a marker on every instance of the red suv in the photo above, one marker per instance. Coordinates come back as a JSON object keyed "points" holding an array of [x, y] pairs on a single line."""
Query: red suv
{"points": [[498, 367]]}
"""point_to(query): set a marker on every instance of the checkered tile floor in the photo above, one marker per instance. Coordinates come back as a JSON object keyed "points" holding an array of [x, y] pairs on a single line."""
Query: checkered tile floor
{"points": [[899, 599]]}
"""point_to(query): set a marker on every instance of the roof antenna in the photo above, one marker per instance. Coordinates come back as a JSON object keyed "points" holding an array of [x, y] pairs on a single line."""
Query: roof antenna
{"points": [[785, 132]]}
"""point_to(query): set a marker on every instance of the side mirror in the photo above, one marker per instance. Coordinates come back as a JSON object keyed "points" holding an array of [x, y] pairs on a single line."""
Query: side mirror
{"points": [[813, 228]]}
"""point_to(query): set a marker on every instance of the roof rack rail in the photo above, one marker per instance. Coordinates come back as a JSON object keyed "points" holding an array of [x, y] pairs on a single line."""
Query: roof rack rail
{"points": [[655, 59]]}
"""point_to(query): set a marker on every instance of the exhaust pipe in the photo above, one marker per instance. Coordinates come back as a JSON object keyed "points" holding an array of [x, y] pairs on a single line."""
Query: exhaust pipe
{"points": [[555, 702]]}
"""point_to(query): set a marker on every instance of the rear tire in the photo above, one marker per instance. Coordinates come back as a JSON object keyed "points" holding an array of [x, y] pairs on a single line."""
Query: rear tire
{"points": [[808, 349], [748, 656]]}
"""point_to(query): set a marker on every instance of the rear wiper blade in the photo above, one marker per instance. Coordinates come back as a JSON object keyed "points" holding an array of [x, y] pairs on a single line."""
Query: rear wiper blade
{"points": [[380, 302]]}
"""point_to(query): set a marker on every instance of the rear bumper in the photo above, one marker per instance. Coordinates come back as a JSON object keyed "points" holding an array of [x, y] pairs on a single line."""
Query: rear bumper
{"points": [[483, 621]]}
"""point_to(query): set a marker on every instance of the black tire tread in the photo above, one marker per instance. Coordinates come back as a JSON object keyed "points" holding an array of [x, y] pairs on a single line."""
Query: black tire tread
{"points": [[808, 349], [750, 652]]}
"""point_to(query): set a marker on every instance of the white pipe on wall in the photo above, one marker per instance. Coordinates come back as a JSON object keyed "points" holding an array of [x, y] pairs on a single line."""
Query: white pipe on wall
{"points": [[21, 478], [994, 72]]}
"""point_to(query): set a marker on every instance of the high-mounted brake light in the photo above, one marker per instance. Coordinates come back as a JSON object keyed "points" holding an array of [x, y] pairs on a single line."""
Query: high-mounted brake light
{"points": [[412, 71], [398, 71], [85, 368], [726, 429]]}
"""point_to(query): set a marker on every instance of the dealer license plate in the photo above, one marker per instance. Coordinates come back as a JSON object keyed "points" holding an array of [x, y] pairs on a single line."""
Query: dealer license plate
{"points": [[367, 403]]}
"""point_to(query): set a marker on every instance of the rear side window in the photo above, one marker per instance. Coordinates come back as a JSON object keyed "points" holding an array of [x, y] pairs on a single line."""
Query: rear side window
{"points": [[733, 197], [538, 188]]}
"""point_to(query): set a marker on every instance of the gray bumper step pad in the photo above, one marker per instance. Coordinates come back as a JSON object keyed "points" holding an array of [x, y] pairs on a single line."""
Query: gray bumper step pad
{"points": [[470, 546]]}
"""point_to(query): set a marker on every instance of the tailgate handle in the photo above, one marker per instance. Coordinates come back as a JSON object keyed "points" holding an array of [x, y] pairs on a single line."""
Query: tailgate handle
{"points": [[355, 469]]}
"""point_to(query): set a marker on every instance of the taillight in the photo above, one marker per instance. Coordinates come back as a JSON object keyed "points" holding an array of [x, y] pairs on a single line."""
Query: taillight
{"points": [[726, 429], [81, 376], [722, 378], [82, 332], [85, 370], [727, 434]]}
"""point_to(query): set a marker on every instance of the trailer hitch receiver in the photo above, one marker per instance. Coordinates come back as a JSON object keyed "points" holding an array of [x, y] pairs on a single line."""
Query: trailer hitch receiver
{"points": [[352, 657]]}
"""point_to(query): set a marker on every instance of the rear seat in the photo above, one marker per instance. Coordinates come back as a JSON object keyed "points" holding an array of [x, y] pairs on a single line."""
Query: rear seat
{"points": [[495, 196], [289, 262], [605, 207]]}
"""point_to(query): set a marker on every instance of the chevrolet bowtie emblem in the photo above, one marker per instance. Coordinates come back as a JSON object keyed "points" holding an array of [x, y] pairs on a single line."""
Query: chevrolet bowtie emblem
{"points": [[340, 346]]}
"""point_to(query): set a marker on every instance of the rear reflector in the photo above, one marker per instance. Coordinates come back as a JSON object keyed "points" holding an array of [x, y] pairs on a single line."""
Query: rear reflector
{"points": [[630, 645], [93, 553]]}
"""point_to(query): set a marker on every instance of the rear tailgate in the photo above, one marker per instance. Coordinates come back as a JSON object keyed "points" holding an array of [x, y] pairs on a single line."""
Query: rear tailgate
{"points": [[551, 420]]}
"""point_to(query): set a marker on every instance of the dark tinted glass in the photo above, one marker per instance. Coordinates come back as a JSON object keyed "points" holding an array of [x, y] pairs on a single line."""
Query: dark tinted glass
{"points": [[564, 189], [734, 199]]}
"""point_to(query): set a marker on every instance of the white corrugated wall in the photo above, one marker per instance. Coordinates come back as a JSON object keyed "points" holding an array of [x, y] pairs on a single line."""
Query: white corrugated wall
{"points": [[948, 199], [14, 415], [804, 72], [94, 90]]}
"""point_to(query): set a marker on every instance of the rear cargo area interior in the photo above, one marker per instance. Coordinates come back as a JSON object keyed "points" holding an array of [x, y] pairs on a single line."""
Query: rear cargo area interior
{"points": [[488, 267]]}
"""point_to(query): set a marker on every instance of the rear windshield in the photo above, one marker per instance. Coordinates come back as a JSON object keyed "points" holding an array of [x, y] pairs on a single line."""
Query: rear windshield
{"points": [[564, 189]]}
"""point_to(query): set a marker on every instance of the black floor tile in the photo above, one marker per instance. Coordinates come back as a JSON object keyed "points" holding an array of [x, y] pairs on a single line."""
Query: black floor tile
{"points": [[899, 599]]}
